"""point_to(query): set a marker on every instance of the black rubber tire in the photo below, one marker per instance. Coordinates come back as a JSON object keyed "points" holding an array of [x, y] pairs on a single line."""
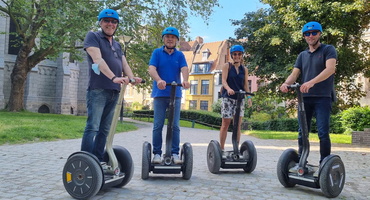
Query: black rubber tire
{"points": [[82, 176], [125, 163], [145, 162], [252, 155], [187, 157], [214, 155], [332, 177], [287, 160]]}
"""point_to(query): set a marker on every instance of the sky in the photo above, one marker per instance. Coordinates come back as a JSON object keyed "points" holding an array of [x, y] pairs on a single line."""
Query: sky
{"points": [[219, 27]]}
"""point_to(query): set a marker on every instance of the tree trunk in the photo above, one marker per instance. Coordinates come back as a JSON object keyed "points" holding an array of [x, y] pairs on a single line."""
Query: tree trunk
{"points": [[18, 80]]}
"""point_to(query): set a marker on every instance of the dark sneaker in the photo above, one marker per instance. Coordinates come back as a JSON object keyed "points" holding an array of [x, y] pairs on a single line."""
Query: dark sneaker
{"points": [[157, 159]]}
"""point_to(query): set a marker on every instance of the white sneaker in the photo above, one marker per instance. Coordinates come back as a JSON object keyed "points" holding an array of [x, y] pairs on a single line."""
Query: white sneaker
{"points": [[176, 159], [105, 167], [224, 154], [157, 159]]}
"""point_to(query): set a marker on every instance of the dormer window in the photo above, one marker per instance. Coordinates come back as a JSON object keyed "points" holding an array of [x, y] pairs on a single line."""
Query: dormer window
{"points": [[205, 54]]}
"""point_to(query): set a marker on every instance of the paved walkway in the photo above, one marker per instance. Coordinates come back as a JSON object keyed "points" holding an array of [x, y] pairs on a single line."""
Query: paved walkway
{"points": [[34, 171]]}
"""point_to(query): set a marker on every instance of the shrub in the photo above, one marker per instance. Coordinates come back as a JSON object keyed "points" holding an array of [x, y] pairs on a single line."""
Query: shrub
{"points": [[356, 118], [216, 107], [260, 116]]}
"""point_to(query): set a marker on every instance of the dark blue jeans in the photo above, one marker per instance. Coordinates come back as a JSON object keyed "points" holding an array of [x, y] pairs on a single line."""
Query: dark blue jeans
{"points": [[100, 110], [160, 106], [320, 108]]}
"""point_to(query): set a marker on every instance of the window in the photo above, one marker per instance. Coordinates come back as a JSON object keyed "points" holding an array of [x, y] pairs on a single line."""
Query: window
{"points": [[201, 68], [250, 85], [193, 87], [204, 105], [193, 104], [205, 87], [205, 55], [14, 40]]}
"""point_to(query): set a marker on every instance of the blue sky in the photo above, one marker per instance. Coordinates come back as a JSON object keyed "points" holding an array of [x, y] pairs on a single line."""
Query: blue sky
{"points": [[219, 27]]}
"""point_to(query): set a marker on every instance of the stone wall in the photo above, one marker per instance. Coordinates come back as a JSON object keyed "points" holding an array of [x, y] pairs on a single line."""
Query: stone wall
{"points": [[361, 137]]}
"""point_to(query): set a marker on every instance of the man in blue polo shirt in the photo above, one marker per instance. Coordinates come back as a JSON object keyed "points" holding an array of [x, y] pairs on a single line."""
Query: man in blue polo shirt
{"points": [[165, 66], [317, 66], [107, 63]]}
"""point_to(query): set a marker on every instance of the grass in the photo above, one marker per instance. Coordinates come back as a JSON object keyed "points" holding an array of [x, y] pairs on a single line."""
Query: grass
{"points": [[335, 138], [23, 127]]}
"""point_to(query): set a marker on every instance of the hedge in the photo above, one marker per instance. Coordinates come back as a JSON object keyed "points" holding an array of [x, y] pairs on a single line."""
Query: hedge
{"points": [[214, 120]]}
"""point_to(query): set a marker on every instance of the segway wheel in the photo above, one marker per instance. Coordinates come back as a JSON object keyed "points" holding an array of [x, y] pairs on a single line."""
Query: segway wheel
{"points": [[332, 177], [249, 151], [125, 164], [214, 155], [82, 176], [187, 157], [287, 160], [146, 158]]}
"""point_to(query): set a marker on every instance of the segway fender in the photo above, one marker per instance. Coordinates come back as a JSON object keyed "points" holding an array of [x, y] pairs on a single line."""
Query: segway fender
{"points": [[325, 160]]}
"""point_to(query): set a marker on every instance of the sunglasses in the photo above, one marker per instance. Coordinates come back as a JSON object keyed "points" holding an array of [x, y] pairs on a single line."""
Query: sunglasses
{"points": [[114, 52], [310, 33], [237, 54], [111, 21]]}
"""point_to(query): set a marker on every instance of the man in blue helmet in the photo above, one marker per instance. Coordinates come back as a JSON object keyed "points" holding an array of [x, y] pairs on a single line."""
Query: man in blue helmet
{"points": [[316, 66], [107, 63], [234, 78], [165, 66]]}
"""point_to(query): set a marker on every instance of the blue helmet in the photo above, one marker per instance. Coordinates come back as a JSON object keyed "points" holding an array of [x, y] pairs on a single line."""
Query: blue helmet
{"points": [[108, 13], [236, 48], [312, 26], [171, 31]]}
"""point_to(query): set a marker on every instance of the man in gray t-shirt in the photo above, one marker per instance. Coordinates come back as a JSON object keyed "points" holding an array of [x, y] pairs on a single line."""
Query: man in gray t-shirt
{"points": [[316, 65]]}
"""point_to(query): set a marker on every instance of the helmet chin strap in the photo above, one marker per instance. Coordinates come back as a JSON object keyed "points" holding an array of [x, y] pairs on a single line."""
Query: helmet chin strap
{"points": [[170, 47], [107, 34]]}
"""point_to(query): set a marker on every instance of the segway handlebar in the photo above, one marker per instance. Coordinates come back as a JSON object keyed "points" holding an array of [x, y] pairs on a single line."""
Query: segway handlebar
{"points": [[133, 80], [296, 85], [244, 92], [174, 83]]}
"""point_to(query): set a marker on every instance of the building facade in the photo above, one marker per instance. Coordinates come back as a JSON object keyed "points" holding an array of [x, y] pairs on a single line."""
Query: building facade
{"points": [[205, 61]]}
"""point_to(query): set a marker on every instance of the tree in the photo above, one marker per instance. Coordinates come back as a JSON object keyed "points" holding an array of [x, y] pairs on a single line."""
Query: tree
{"points": [[275, 40], [46, 28]]}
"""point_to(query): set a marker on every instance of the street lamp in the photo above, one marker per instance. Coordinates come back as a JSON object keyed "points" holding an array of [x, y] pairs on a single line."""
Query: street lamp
{"points": [[125, 39]]}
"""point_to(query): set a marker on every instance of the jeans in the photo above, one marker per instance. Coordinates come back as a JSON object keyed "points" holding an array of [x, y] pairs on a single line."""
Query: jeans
{"points": [[320, 108], [100, 111], [160, 106]]}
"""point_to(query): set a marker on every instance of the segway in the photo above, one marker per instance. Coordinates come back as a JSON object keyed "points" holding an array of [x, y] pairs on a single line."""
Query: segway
{"points": [[167, 166], [83, 175], [292, 170], [245, 158]]}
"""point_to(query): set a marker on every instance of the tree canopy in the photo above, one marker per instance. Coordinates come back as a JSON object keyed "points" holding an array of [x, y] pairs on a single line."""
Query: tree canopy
{"points": [[275, 40], [46, 28]]}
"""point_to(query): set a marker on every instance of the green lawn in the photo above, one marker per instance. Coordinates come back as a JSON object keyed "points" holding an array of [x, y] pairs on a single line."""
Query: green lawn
{"points": [[335, 138], [22, 127]]}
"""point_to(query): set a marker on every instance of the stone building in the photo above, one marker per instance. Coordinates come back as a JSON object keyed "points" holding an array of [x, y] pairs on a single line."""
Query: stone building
{"points": [[52, 86]]}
